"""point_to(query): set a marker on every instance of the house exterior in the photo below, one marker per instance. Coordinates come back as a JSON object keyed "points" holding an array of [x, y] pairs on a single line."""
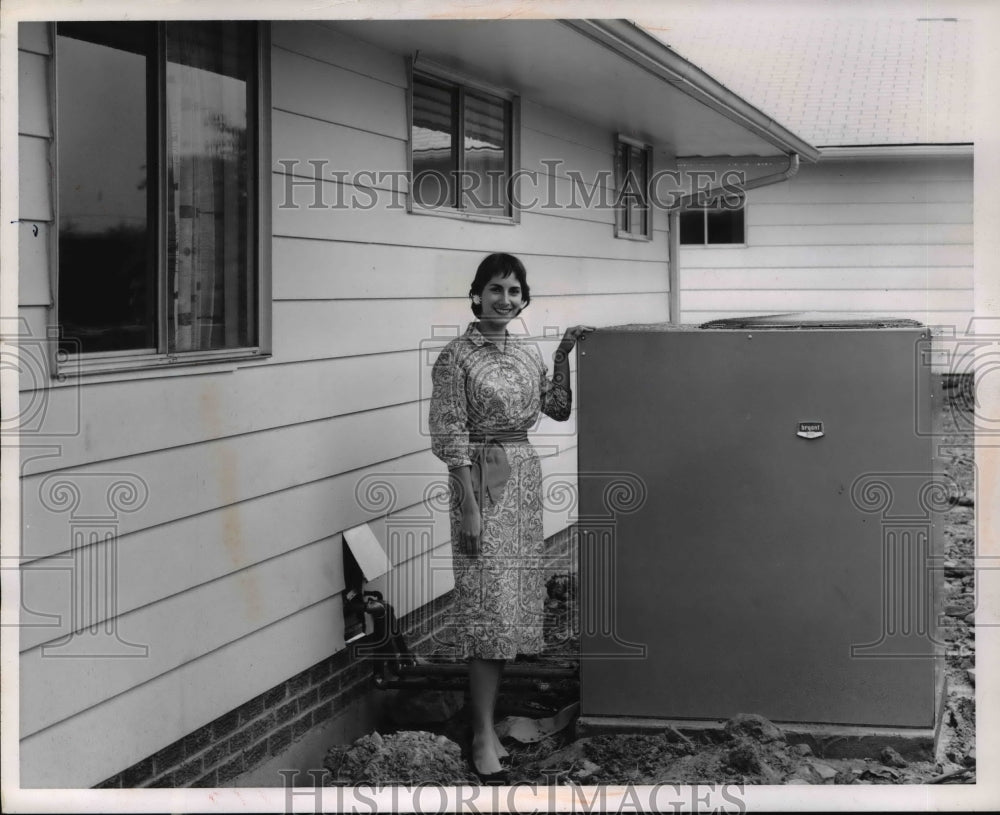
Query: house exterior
{"points": [[228, 304], [881, 224]]}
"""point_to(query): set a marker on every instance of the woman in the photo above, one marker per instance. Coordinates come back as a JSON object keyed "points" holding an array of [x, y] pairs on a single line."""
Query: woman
{"points": [[489, 388]]}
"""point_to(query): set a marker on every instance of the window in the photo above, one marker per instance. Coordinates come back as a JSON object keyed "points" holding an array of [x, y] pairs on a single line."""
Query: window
{"points": [[633, 163], [158, 150], [718, 225], [462, 148]]}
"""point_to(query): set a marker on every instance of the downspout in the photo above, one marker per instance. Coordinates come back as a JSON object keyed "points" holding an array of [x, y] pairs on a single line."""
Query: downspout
{"points": [[674, 225], [674, 264]]}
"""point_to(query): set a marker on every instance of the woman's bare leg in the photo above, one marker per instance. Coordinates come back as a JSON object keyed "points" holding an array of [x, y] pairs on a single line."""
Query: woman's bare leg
{"points": [[484, 682], [501, 750]]}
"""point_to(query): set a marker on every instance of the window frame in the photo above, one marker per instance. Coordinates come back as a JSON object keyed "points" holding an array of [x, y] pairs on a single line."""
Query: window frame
{"points": [[704, 230], [63, 364], [621, 213], [436, 72]]}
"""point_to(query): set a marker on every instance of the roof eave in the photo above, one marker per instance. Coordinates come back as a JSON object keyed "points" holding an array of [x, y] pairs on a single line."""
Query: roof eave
{"points": [[646, 51]]}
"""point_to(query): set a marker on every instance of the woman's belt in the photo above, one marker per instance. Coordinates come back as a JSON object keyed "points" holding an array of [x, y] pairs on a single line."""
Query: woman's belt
{"points": [[490, 467]]}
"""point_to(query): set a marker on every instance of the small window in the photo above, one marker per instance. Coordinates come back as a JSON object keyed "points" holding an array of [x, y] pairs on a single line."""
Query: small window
{"points": [[633, 165], [462, 142], [158, 140], [713, 226]]}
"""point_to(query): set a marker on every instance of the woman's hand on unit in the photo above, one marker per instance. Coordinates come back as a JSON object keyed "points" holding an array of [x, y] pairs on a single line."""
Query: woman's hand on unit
{"points": [[574, 333]]}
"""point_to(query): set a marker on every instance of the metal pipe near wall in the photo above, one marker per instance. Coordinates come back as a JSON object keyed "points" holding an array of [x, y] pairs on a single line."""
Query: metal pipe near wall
{"points": [[451, 683], [395, 667], [461, 669], [447, 676]]}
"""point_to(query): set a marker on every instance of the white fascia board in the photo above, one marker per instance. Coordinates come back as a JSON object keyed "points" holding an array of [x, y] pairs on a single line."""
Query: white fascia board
{"points": [[882, 151]]}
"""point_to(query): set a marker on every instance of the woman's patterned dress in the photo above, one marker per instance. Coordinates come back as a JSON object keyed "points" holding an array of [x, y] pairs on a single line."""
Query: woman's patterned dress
{"points": [[483, 388]]}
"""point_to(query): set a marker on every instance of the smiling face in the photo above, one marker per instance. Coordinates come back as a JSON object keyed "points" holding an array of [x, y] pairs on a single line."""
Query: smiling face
{"points": [[502, 300]]}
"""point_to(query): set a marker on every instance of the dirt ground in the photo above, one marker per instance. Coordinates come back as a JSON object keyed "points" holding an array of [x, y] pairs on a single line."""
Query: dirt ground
{"points": [[751, 750]]}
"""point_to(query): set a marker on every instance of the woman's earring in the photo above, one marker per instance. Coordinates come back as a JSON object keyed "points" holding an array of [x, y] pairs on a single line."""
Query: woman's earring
{"points": [[476, 299]]}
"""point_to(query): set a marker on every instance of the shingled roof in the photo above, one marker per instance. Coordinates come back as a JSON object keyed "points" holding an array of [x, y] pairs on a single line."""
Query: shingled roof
{"points": [[839, 81]]}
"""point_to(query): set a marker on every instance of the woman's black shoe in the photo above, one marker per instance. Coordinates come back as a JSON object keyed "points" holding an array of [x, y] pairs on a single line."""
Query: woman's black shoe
{"points": [[501, 778]]}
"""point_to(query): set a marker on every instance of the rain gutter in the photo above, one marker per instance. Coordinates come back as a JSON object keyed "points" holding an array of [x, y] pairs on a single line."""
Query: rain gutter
{"points": [[752, 184]]}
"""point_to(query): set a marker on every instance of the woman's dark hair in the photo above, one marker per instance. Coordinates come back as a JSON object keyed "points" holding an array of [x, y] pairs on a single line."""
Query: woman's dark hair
{"points": [[499, 263]]}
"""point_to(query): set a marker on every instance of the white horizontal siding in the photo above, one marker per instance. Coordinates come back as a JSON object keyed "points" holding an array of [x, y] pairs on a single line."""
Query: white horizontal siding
{"points": [[830, 256], [33, 38], [34, 170], [35, 197], [179, 629], [232, 536], [231, 570], [33, 102], [541, 150], [374, 271], [920, 234], [323, 43], [386, 221], [888, 238], [880, 300], [216, 474], [764, 214], [387, 326], [34, 287], [316, 146], [566, 129], [172, 558], [857, 278], [886, 170], [182, 627], [221, 405], [169, 559], [369, 327], [310, 151], [804, 190], [183, 481], [103, 739], [228, 404], [312, 88]]}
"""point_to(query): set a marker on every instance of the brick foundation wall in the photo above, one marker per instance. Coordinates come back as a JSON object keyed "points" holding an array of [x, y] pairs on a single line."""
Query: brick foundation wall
{"points": [[560, 552], [243, 738], [427, 627], [250, 734]]}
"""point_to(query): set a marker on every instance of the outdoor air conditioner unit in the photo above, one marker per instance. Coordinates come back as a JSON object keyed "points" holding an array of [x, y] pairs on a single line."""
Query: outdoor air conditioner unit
{"points": [[758, 527]]}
